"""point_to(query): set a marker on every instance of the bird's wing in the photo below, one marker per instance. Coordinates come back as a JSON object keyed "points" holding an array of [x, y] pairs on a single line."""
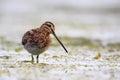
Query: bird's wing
{"points": [[25, 37]]}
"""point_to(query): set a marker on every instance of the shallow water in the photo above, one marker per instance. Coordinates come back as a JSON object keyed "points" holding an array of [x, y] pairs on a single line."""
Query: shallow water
{"points": [[89, 31]]}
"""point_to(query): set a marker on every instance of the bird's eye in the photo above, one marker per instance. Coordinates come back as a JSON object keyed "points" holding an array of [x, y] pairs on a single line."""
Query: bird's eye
{"points": [[49, 25]]}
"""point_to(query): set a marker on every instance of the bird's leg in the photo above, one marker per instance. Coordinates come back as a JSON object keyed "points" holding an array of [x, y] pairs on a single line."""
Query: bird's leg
{"points": [[37, 58], [32, 58]]}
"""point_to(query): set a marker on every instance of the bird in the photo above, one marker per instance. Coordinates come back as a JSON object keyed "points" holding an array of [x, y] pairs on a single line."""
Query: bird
{"points": [[38, 40]]}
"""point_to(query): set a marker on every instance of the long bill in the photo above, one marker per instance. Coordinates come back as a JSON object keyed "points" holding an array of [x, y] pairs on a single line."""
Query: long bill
{"points": [[59, 41]]}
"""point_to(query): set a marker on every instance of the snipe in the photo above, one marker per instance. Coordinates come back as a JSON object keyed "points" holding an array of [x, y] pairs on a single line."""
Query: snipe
{"points": [[36, 41]]}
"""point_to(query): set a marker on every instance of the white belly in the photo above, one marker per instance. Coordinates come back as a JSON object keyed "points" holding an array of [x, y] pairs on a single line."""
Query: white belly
{"points": [[34, 50]]}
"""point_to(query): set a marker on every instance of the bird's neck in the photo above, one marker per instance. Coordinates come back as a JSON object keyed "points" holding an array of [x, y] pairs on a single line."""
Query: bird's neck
{"points": [[44, 32]]}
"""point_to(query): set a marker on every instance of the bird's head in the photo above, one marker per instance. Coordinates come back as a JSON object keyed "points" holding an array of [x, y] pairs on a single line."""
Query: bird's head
{"points": [[50, 28]]}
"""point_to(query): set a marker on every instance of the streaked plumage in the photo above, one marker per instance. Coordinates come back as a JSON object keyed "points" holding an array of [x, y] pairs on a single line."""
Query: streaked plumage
{"points": [[36, 41]]}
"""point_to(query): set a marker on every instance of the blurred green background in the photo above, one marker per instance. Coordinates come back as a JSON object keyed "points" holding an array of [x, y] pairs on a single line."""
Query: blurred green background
{"points": [[91, 19]]}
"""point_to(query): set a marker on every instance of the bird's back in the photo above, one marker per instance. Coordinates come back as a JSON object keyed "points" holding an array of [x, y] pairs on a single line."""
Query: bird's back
{"points": [[36, 41]]}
